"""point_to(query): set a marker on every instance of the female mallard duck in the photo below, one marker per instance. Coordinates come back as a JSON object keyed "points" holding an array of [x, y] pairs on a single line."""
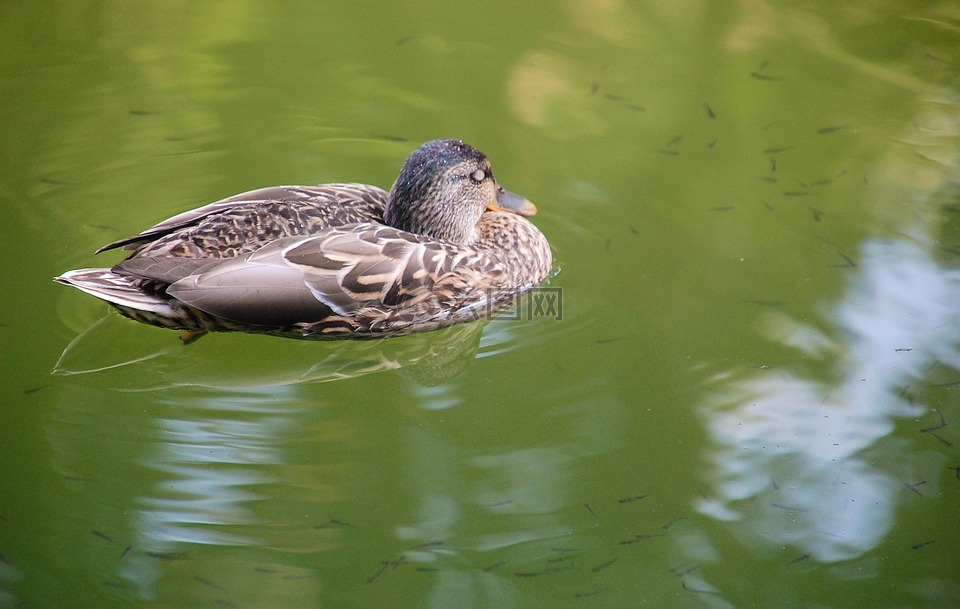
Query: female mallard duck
{"points": [[335, 260]]}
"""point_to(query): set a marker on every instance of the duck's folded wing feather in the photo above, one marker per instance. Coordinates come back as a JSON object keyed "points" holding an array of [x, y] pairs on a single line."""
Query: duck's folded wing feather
{"points": [[341, 272], [323, 194], [370, 266], [259, 289], [164, 268]]}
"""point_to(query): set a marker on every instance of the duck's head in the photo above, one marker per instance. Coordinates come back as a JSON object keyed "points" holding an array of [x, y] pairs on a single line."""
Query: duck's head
{"points": [[443, 189]]}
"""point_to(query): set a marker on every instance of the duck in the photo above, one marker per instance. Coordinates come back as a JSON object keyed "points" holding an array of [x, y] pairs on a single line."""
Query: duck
{"points": [[446, 245]]}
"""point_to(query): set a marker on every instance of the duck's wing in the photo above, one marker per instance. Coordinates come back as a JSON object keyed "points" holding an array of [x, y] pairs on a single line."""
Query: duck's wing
{"points": [[324, 194], [372, 266], [257, 289], [361, 270]]}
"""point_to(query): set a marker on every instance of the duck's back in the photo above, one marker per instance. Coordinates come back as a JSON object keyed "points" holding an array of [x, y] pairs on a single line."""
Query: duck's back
{"points": [[246, 222]]}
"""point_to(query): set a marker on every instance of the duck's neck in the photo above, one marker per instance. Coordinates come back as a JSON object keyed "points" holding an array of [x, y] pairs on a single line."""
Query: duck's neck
{"points": [[437, 220]]}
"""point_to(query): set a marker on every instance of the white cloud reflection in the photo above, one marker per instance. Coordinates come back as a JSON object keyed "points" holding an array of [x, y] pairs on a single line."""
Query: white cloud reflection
{"points": [[791, 455]]}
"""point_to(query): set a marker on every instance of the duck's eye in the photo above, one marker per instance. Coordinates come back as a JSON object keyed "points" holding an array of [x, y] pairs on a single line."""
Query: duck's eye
{"points": [[478, 176]]}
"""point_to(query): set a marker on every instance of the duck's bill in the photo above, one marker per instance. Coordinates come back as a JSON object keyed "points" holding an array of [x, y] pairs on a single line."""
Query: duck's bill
{"points": [[508, 201]]}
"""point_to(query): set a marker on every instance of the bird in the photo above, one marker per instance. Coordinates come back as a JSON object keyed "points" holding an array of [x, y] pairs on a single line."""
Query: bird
{"points": [[446, 245]]}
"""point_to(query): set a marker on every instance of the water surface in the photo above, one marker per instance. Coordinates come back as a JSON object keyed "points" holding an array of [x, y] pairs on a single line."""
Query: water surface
{"points": [[748, 398]]}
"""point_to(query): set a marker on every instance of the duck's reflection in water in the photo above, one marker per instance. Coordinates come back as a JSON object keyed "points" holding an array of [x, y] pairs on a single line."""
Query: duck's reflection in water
{"points": [[155, 360]]}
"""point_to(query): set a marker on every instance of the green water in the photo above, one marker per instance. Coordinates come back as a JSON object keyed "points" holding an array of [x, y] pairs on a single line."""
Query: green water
{"points": [[749, 396]]}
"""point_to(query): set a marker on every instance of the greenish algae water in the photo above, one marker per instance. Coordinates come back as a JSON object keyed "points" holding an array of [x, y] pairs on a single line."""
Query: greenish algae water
{"points": [[745, 396]]}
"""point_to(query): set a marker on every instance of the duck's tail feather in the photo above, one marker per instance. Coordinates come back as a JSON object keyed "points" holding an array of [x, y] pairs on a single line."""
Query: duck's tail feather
{"points": [[122, 291]]}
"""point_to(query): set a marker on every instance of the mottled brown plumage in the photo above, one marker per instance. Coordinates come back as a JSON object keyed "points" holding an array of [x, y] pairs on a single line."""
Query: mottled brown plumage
{"points": [[446, 245]]}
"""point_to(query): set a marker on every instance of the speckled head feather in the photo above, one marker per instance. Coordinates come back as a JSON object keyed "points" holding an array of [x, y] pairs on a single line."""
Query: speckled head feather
{"points": [[443, 189]]}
